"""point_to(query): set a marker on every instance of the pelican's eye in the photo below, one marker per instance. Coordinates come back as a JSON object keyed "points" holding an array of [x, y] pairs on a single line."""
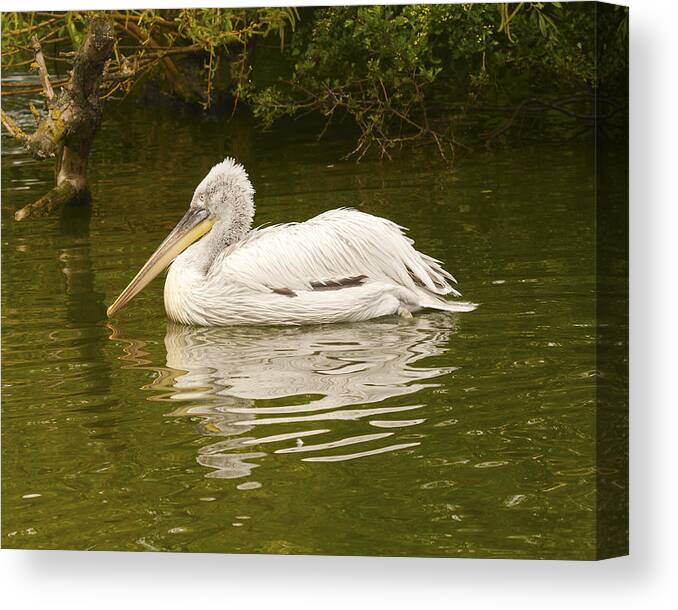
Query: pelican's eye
{"points": [[201, 197]]}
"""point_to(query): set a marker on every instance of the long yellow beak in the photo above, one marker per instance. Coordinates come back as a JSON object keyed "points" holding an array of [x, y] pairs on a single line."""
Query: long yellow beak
{"points": [[190, 228]]}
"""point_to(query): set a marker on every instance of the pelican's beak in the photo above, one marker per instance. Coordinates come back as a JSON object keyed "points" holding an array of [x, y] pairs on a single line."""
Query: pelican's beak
{"points": [[191, 227]]}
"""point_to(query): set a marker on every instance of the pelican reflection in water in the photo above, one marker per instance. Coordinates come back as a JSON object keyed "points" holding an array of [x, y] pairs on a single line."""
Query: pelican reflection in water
{"points": [[341, 266], [288, 390]]}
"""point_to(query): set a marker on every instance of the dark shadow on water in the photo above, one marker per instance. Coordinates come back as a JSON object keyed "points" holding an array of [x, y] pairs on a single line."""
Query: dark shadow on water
{"points": [[85, 306]]}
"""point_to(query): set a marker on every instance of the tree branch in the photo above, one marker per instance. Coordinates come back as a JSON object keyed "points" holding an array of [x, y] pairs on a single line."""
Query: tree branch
{"points": [[13, 129], [42, 69], [174, 76], [58, 196]]}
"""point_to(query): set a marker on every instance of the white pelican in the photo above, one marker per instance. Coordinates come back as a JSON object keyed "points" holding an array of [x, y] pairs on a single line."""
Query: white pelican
{"points": [[341, 266]]}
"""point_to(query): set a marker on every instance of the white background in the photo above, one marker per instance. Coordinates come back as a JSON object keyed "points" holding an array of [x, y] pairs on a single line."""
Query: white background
{"points": [[646, 578]]}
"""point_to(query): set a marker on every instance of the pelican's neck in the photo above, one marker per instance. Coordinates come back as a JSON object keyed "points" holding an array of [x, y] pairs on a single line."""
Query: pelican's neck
{"points": [[200, 256]]}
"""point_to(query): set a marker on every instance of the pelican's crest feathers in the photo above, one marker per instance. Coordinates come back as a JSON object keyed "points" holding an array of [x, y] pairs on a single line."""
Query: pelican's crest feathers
{"points": [[231, 172]]}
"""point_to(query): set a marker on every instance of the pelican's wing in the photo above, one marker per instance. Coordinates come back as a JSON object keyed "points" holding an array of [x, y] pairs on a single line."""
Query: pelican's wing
{"points": [[337, 248]]}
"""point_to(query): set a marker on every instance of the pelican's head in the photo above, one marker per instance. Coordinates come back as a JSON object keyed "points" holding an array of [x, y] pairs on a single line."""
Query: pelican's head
{"points": [[226, 194], [223, 203]]}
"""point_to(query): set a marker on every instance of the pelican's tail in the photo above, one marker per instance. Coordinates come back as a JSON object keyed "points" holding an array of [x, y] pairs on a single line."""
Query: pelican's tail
{"points": [[427, 301]]}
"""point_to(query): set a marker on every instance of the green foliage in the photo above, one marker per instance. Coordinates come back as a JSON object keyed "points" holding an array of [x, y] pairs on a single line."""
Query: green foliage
{"points": [[229, 33], [373, 62], [401, 73], [410, 72]]}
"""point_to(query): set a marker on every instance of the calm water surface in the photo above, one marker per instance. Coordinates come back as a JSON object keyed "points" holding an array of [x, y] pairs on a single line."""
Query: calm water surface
{"points": [[467, 435]]}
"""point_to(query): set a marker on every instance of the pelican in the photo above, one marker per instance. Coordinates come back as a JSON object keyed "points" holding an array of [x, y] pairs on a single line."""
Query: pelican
{"points": [[341, 266]]}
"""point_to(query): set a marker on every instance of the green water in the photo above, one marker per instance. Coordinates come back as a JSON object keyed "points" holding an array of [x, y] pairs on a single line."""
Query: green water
{"points": [[446, 435]]}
